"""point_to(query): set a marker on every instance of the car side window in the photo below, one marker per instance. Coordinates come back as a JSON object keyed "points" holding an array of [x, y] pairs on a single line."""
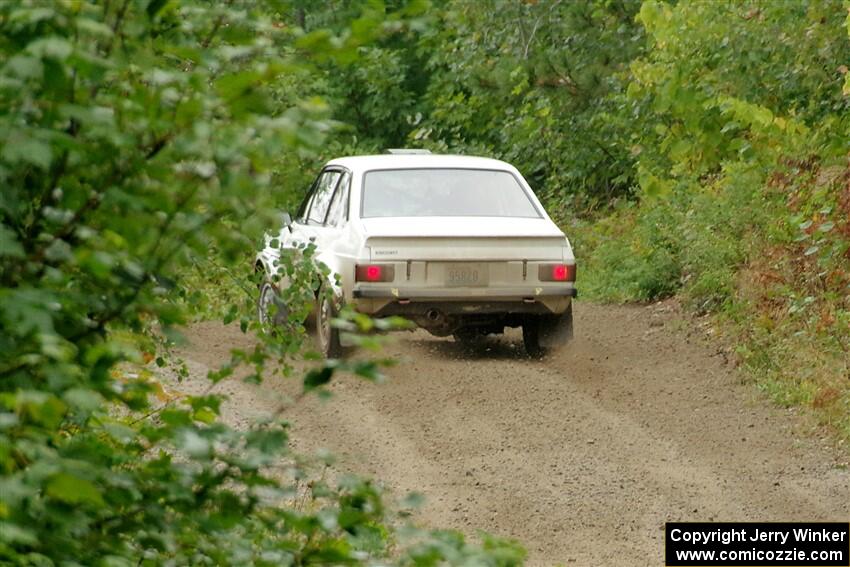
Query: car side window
{"points": [[322, 197], [339, 204], [301, 215]]}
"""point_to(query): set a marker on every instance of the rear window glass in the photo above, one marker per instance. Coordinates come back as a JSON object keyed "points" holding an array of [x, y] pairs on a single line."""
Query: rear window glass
{"points": [[444, 193]]}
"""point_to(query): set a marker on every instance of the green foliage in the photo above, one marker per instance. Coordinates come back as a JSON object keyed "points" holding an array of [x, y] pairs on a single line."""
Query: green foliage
{"points": [[693, 239], [375, 88], [145, 145], [738, 82], [535, 83], [744, 204]]}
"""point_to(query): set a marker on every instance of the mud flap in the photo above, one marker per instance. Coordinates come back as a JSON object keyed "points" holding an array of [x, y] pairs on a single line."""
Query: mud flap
{"points": [[556, 330]]}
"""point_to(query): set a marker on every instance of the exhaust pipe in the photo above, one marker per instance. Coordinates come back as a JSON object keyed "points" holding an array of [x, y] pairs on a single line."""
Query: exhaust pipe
{"points": [[433, 315], [436, 322]]}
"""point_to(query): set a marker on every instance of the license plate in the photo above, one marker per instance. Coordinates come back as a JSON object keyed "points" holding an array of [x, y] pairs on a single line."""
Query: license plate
{"points": [[470, 275]]}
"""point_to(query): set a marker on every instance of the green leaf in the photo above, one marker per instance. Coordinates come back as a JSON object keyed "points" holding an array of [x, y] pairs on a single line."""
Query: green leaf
{"points": [[194, 444], [23, 148], [9, 245], [413, 500], [230, 316], [41, 407], [317, 377], [15, 534], [154, 7], [82, 398], [204, 415], [32, 15], [58, 251], [235, 85], [98, 29], [25, 66], [54, 47], [73, 490], [368, 370]]}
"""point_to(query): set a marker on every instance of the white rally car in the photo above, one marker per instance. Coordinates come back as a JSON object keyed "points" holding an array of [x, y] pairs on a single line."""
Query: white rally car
{"points": [[458, 245]]}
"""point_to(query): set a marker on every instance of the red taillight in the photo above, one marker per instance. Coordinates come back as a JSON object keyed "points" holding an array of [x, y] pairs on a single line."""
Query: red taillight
{"points": [[557, 273], [374, 273]]}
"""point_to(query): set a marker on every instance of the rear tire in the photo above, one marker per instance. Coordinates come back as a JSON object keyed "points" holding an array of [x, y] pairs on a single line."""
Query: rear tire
{"points": [[271, 310], [531, 338], [327, 336], [542, 333]]}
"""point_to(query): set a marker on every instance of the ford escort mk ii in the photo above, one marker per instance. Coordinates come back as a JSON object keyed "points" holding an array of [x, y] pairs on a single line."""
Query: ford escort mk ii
{"points": [[458, 245]]}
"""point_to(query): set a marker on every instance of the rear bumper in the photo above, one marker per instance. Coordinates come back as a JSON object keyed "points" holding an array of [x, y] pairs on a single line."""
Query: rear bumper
{"points": [[415, 303], [415, 294]]}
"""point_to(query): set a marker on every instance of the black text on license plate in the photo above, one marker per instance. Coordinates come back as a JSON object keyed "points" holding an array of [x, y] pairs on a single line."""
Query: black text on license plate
{"points": [[466, 275]]}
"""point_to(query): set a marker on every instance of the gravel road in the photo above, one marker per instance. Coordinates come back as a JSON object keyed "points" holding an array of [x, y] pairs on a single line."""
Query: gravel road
{"points": [[582, 456]]}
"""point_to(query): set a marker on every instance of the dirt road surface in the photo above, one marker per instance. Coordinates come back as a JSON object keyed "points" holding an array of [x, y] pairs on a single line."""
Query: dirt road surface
{"points": [[582, 456]]}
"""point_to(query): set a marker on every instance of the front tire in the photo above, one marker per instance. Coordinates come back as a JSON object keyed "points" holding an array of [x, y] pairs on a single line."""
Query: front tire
{"points": [[327, 336]]}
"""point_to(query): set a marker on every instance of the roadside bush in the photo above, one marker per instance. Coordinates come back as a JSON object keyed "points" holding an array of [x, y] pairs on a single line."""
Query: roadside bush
{"points": [[136, 137], [626, 257], [742, 179]]}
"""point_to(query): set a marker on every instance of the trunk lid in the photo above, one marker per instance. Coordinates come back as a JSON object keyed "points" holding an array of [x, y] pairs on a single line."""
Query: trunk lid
{"points": [[427, 227], [463, 238]]}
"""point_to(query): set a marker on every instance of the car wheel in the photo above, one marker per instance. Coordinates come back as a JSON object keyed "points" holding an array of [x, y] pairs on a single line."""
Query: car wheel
{"points": [[327, 335], [271, 311], [531, 338]]}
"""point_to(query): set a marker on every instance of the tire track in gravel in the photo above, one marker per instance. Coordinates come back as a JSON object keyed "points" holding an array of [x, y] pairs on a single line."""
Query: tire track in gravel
{"points": [[582, 456]]}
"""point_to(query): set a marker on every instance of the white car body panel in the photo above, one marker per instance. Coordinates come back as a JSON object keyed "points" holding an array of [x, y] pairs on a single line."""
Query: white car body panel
{"points": [[460, 227]]}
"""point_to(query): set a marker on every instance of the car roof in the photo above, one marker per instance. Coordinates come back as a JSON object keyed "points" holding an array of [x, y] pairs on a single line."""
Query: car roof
{"points": [[405, 161]]}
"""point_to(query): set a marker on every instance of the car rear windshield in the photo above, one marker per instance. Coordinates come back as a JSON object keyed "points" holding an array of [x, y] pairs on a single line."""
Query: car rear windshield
{"points": [[444, 193]]}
